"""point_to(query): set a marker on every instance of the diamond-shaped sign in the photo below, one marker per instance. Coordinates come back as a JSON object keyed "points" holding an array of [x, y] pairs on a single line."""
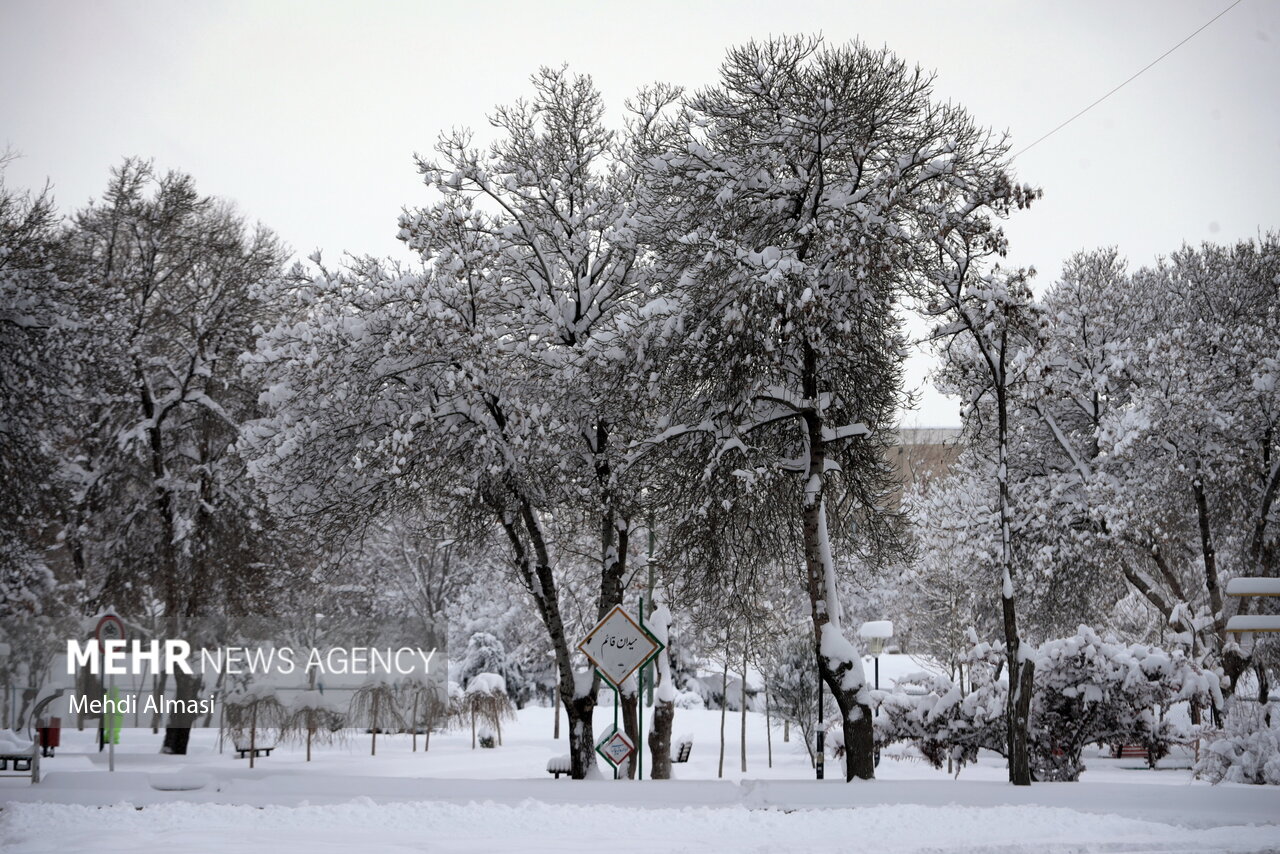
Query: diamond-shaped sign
{"points": [[618, 646], [615, 748]]}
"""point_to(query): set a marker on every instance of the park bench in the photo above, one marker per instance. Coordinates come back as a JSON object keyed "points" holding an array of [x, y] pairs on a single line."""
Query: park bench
{"points": [[1130, 751], [683, 749], [244, 749], [19, 759]]}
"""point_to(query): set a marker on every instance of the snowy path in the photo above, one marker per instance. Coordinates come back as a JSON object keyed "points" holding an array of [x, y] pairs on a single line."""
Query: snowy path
{"points": [[535, 827]]}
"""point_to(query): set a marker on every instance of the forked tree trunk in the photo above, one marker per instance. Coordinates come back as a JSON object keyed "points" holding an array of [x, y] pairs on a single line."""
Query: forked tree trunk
{"points": [[533, 561], [824, 602], [855, 717]]}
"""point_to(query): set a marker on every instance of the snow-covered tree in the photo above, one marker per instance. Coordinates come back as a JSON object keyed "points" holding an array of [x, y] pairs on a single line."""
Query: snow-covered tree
{"points": [[170, 285], [988, 330], [952, 585], [494, 387], [1153, 424], [794, 203], [38, 325]]}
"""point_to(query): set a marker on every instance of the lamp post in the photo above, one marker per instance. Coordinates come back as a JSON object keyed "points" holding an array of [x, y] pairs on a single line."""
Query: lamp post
{"points": [[876, 635]]}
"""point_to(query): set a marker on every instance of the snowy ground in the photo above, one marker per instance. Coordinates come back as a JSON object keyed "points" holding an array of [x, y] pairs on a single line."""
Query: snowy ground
{"points": [[454, 799]]}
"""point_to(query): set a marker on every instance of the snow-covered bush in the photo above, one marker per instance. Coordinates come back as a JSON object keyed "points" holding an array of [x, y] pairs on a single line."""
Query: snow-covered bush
{"points": [[690, 700], [1246, 749], [941, 718], [485, 700], [1088, 690], [487, 654]]}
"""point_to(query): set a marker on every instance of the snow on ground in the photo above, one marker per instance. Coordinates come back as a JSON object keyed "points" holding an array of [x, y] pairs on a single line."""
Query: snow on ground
{"points": [[455, 799], [363, 825]]}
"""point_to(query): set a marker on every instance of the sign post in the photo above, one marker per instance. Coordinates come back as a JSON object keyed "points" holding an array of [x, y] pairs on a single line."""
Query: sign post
{"points": [[618, 646], [110, 628]]}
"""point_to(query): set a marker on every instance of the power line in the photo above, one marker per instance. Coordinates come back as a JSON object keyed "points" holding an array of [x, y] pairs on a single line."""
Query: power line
{"points": [[1128, 81]]}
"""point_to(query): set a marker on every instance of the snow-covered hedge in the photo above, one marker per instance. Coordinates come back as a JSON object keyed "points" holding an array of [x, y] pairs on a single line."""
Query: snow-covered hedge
{"points": [[1246, 749], [1088, 690]]}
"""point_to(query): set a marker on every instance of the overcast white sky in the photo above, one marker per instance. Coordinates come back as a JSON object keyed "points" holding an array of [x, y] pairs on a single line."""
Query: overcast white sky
{"points": [[307, 113]]}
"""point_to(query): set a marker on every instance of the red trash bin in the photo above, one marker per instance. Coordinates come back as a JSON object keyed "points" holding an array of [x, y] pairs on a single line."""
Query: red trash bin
{"points": [[50, 736]]}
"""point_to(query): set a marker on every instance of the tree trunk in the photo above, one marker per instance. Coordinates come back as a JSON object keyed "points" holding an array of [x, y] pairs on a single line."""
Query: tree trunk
{"points": [[664, 715], [768, 726], [1018, 704], [578, 713], [824, 602], [724, 708], [534, 563], [177, 732], [664, 711], [855, 717]]}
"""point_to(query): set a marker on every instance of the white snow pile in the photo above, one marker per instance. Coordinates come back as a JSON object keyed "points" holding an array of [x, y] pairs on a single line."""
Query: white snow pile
{"points": [[876, 629], [1246, 749], [487, 683], [12, 744]]}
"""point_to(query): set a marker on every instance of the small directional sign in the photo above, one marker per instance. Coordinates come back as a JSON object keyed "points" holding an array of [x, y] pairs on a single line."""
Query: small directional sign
{"points": [[615, 747], [618, 646]]}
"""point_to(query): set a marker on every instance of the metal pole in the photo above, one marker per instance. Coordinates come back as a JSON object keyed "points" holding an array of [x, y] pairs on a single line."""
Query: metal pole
{"points": [[640, 709], [649, 562], [109, 731], [876, 759]]}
